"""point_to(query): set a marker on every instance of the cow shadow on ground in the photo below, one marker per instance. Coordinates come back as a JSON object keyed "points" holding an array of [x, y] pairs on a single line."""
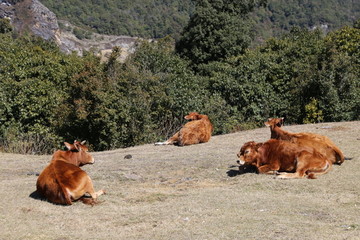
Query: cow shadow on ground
{"points": [[242, 170], [35, 195]]}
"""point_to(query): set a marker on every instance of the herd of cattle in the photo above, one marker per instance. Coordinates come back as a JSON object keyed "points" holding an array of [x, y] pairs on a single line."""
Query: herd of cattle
{"points": [[288, 155]]}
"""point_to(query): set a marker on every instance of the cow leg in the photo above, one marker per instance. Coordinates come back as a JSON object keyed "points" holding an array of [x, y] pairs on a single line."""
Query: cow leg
{"points": [[320, 166], [284, 175], [85, 186], [174, 139], [268, 169], [302, 166], [272, 172], [89, 188]]}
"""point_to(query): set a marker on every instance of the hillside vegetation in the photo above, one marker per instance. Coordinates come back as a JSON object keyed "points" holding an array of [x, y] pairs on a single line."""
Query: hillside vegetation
{"points": [[136, 18], [48, 97], [157, 19]]}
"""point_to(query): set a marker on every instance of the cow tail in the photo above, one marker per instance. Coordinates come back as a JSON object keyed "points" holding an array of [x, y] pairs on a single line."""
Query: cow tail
{"points": [[64, 195]]}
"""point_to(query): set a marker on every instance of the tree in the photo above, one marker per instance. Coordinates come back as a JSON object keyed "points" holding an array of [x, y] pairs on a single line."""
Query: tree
{"points": [[31, 75], [217, 30], [5, 25]]}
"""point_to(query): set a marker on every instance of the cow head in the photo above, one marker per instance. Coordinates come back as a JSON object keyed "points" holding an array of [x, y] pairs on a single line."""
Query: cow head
{"points": [[249, 153], [272, 122], [81, 151], [192, 116]]}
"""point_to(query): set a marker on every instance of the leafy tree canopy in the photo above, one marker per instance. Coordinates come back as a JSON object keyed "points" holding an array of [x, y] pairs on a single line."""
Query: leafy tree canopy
{"points": [[217, 30]]}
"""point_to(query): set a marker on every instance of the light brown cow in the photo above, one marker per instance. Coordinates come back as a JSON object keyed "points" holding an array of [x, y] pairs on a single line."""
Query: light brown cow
{"points": [[197, 130], [321, 143], [63, 182], [288, 160]]}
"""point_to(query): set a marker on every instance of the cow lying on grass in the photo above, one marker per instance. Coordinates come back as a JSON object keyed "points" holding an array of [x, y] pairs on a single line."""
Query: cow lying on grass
{"points": [[321, 143], [287, 159], [197, 130], [63, 182]]}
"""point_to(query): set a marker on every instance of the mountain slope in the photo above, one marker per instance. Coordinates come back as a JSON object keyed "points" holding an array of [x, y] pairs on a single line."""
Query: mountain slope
{"points": [[154, 19]]}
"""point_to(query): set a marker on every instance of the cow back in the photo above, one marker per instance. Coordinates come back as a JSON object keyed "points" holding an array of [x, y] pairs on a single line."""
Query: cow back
{"points": [[49, 185], [63, 173], [196, 131], [282, 153], [322, 143]]}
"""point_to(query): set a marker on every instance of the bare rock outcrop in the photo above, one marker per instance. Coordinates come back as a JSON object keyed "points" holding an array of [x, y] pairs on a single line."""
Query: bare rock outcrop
{"points": [[32, 16]]}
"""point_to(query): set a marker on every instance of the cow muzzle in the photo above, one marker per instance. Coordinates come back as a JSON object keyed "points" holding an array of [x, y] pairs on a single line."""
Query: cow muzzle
{"points": [[241, 160]]}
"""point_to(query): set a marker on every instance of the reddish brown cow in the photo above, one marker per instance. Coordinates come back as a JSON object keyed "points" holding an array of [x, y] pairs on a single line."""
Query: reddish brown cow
{"points": [[321, 143], [198, 130], [291, 160], [63, 182]]}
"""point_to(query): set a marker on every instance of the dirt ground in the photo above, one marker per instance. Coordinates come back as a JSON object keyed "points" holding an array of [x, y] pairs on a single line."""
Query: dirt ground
{"points": [[169, 192]]}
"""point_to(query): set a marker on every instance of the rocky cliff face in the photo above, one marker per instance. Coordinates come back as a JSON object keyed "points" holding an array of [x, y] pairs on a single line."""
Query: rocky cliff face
{"points": [[32, 16], [44, 22]]}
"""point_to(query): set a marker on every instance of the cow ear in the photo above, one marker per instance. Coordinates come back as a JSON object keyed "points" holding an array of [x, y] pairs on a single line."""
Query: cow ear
{"points": [[69, 146], [282, 121]]}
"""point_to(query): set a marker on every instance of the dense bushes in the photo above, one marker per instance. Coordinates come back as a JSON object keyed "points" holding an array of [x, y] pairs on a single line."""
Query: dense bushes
{"points": [[48, 97], [285, 75]]}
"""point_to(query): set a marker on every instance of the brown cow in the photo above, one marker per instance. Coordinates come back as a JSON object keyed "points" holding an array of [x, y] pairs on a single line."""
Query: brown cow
{"points": [[197, 130], [321, 143], [63, 182], [291, 160]]}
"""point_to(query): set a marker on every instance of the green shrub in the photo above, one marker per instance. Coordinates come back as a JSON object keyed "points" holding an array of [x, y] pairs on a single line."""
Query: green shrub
{"points": [[313, 114]]}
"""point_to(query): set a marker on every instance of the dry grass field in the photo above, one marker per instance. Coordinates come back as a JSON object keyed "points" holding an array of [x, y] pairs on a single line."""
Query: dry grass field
{"points": [[169, 192]]}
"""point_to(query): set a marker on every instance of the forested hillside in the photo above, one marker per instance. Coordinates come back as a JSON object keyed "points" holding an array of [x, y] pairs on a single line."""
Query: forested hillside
{"points": [[281, 15], [158, 18], [137, 18]]}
